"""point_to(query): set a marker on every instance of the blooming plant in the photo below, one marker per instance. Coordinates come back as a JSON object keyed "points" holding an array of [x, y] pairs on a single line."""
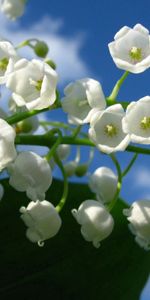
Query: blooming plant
{"points": [[112, 126]]}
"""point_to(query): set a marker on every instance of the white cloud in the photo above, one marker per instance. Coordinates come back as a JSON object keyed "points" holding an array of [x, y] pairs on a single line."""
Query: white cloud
{"points": [[65, 51]]}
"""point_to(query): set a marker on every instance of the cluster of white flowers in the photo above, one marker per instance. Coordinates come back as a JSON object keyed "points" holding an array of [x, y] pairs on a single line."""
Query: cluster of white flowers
{"points": [[33, 85]]}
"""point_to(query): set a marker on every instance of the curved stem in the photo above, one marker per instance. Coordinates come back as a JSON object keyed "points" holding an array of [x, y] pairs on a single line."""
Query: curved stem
{"points": [[112, 97], [56, 144], [62, 201], [127, 169], [42, 140], [119, 184]]}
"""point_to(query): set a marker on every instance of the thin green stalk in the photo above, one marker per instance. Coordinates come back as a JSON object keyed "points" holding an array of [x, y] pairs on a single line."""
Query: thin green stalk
{"points": [[127, 169], [119, 184], [76, 131], [112, 97], [27, 114], [52, 151], [62, 201], [43, 140]]}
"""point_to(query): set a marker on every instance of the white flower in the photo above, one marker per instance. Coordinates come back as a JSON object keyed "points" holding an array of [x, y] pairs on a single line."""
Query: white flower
{"points": [[30, 173], [139, 217], [7, 147], [131, 49], [1, 191], [103, 182], [42, 220], [33, 84], [8, 57], [96, 222], [81, 97], [12, 8], [106, 130], [63, 151], [136, 122]]}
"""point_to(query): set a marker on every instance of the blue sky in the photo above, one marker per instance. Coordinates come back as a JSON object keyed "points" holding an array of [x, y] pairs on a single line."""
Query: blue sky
{"points": [[78, 33]]}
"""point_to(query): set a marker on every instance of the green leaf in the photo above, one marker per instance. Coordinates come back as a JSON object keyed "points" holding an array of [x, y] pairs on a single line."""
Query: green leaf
{"points": [[67, 267]]}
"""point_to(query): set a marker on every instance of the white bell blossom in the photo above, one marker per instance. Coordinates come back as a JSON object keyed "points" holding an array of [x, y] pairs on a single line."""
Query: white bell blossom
{"points": [[70, 167], [131, 49], [106, 130], [136, 122], [139, 217], [7, 138], [30, 173], [81, 97], [12, 8], [96, 222], [33, 84], [1, 191], [8, 58], [42, 220], [103, 182]]}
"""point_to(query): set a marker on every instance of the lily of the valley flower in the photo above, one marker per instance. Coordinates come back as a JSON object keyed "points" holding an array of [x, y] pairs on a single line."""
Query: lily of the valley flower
{"points": [[136, 122], [8, 57], [63, 151], [131, 49], [103, 182], [12, 8], [30, 173], [81, 97], [42, 220], [7, 140], [96, 222], [139, 217], [106, 130], [33, 84]]}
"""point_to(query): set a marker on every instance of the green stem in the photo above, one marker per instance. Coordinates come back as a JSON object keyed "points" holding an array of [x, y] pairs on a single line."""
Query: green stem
{"points": [[76, 131], [127, 169], [56, 144], [43, 140], [112, 97], [119, 184], [27, 114], [65, 191]]}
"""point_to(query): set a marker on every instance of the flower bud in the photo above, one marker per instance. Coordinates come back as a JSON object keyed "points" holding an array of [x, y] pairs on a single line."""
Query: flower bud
{"points": [[41, 49], [63, 151], [81, 170], [139, 217], [70, 168], [28, 125], [103, 182], [96, 222], [42, 220]]}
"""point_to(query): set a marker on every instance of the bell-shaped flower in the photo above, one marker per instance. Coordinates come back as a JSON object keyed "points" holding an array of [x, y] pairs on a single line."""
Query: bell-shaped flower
{"points": [[33, 84], [139, 217], [12, 8], [8, 58], [96, 222], [131, 49], [7, 146], [30, 173], [136, 122], [81, 97], [103, 182], [106, 130], [70, 167], [42, 220]]}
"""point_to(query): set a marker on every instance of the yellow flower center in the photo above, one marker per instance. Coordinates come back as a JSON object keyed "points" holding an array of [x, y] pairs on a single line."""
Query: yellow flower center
{"points": [[110, 130], [37, 84], [145, 123], [3, 64], [135, 54]]}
